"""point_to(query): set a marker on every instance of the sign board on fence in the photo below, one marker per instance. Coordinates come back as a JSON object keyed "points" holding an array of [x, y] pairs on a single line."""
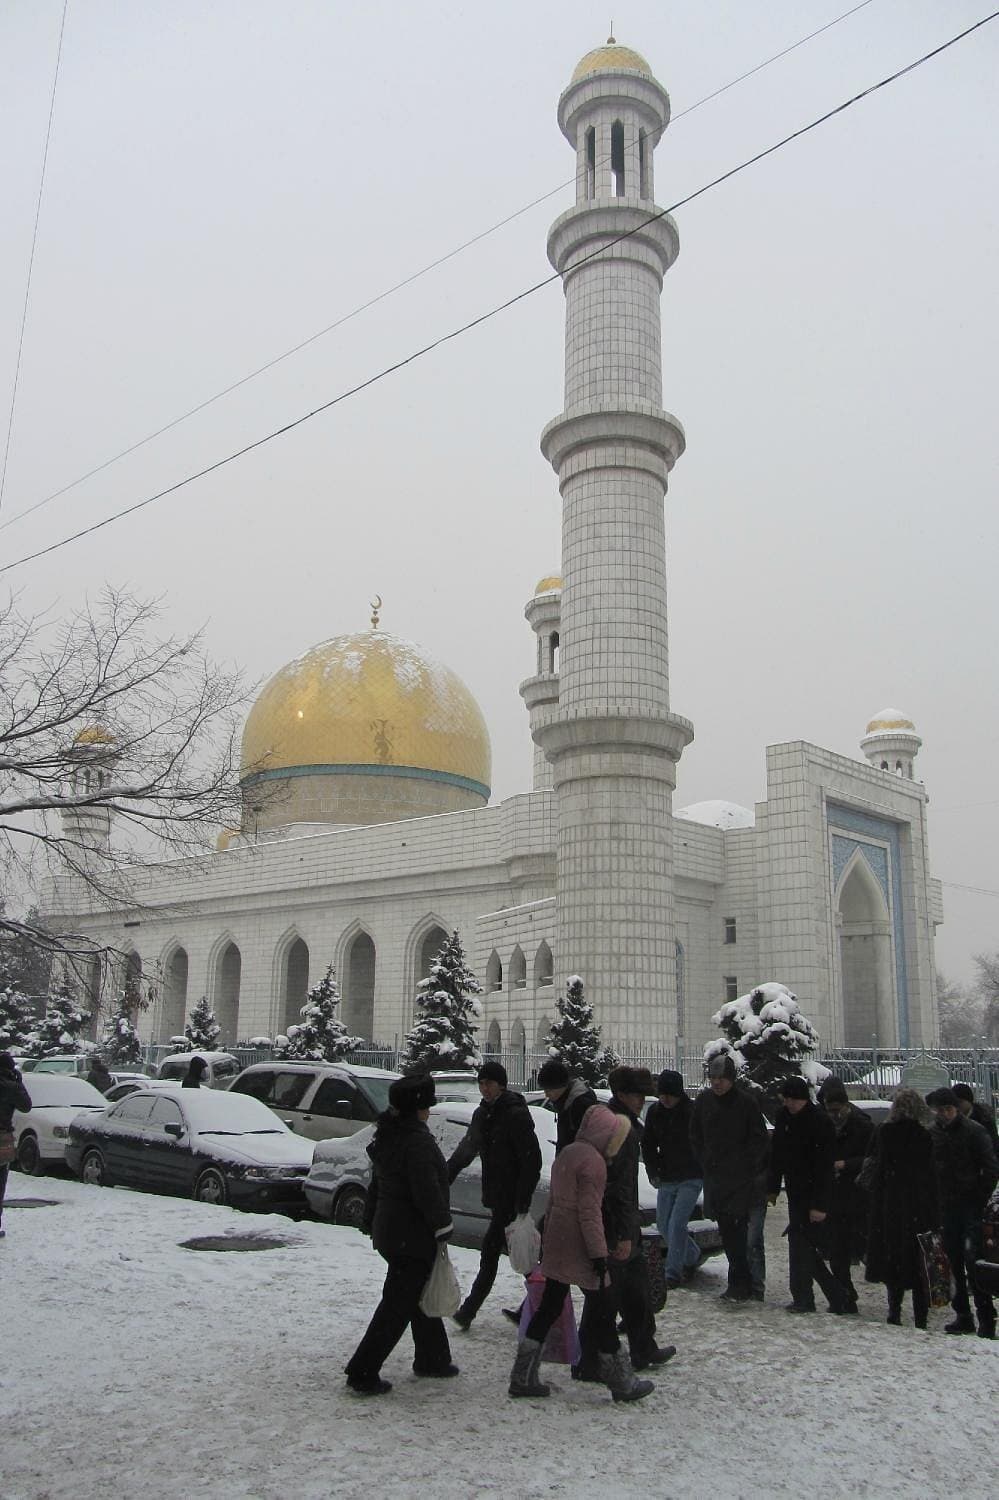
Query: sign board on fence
{"points": [[925, 1075]]}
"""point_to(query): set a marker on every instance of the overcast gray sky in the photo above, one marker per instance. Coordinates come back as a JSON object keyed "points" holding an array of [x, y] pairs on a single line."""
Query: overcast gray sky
{"points": [[224, 180]]}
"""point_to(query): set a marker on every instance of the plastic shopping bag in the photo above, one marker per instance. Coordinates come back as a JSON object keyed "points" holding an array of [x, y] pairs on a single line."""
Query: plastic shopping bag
{"points": [[562, 1343], [936, 1268], [441, 1297], [523, 1243]]}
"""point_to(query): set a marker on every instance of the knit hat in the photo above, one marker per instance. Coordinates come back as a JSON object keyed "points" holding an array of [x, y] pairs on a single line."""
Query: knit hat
{"points": [[407, 1095], [722, 1066], [494, 1072], [795, 1088], [553, 1074], [963, 1091], [670, 1082]]}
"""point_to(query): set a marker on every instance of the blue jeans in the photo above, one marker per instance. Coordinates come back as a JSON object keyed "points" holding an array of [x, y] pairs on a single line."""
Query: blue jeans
{"points": [[674, 1206], [755, 1248]]}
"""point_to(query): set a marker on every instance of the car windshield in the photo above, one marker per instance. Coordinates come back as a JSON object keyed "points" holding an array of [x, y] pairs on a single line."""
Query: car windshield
{"points": [[59, 1091], [215, 1112]]}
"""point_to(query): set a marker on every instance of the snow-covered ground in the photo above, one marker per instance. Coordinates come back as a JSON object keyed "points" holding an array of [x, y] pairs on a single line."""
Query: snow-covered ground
{"points": [[133, 1367]]}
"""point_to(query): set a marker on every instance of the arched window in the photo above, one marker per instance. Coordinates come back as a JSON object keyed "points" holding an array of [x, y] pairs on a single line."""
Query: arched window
{"points": [[494, 972], [295, 982], [494, 1039], [553, 651], [518, 1038], [518, 969], [429, 949], [591, 162], [643, 165], [617, 158], [174, 1012], [543, 967], [228, 974], [359, 987]]}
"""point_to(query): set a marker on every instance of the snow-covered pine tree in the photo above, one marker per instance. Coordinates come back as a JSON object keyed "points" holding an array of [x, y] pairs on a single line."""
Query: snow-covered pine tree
{"points": [[61, 1027], [322, 1036], [120, 1045], [768, 1038], [202, 1030], [447, 1012], [574, 1038], [17, 1019]]}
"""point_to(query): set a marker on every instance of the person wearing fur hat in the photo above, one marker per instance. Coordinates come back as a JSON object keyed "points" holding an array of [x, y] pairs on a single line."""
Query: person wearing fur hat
{"points": [[972, 1110], [407, 1215], [728, 1135], [502, 1134], [575, 1254], [674, 1172], [13, 1095], [802, 1155]]}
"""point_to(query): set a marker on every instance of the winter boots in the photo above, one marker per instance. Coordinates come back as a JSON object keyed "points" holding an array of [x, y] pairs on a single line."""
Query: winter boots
{"points": [[524, 1379], [620, 1379]]}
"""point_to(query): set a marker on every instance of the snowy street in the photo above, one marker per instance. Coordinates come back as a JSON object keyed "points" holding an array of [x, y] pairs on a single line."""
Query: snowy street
{"points": [[137, 1367]]}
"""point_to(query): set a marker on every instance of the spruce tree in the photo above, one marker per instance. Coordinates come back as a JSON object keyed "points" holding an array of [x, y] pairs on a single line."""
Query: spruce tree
{"points": [[120, 1043], [447, 1011], [60, 1030], [202, 1030], [17, 1020], [322, 1036], [575, 1040], [768, 1039]]}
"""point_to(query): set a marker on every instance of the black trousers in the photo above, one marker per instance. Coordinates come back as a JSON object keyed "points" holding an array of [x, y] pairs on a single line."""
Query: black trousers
{"points": [[493, 1247], [734, 1231], [398, 1310], [962, 1237], [840, 1239], [3, 1186], [632, 1298], [920, 1302], [598, 1309], [806, 1263]]}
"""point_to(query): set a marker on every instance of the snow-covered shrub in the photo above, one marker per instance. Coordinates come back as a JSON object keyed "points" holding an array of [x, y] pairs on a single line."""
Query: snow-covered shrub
{"points": [[202, 1031], [16, 1020], [447, 1009], [322, 1036], [575, 1039], [768, 1038], [60, 1030]]}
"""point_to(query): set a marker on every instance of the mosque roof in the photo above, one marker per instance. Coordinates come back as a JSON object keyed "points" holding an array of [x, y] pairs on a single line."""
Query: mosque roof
{"points": [[718, 814], [550, 585], [891, 721], [94, 735], [611, 58], [367, 700]]}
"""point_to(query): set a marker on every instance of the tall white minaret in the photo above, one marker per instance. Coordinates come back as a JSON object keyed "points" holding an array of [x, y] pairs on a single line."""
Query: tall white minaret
{"points": [[611, 740]]}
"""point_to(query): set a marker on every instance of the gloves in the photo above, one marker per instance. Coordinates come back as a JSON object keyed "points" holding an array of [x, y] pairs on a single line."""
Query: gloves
{"points": [[599, 1264]]}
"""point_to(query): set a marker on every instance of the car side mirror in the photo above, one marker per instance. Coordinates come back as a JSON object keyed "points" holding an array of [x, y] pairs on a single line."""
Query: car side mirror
{"points": [[172, 1128]]}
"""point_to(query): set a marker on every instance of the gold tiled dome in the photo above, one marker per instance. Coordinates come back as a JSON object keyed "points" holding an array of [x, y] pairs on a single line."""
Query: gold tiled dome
{"points": [[890, 719], [94, 735], [611, 59], [550, 585], [368, 702]]}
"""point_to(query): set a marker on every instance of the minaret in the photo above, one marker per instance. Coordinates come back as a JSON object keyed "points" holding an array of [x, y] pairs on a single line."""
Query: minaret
{"points": [[92, 756], [611, 739], [540, 692], [892, 744]]}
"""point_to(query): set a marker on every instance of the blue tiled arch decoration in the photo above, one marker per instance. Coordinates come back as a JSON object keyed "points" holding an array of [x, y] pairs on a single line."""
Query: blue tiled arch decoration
{"points": [[842, 821]]}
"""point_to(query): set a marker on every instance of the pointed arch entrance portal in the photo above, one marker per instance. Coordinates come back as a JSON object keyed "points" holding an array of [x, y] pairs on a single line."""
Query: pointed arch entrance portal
{"points": [[865, 958]]}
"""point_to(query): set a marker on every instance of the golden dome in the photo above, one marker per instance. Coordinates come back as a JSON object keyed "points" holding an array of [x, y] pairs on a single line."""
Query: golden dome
{"points": [[366, 703], [611, 59], [890, 720], [225, 838], [550, 585], [94, 735]]}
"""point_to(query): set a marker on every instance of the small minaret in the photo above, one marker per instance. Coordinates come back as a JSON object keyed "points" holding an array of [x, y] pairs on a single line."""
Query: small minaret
{"points": [[540, 692], [892, 744], [611, 741], [92, 758]]}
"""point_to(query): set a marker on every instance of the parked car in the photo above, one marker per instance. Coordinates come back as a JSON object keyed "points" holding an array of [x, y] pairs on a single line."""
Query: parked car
{"points": [[877, 1110], [210, 1144], [456, 1086], [127, 1083], [77, 1064], [318, 1099], [221, 1067], [41, 1133]]}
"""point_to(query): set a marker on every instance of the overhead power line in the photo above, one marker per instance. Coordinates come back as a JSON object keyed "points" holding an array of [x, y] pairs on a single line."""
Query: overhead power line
{"points": [[390, 291], [31, 259], [501, 307]]}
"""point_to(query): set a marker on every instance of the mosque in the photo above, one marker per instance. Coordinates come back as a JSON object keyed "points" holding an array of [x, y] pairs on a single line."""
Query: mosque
{"points": [[367, 831]]}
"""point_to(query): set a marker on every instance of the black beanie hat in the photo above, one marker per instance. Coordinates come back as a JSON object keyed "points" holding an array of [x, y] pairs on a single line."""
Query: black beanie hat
{"points": [[963, 1091], [553, 1074], [670, 1082], [795, 1088], [942, 1097], [494, 1072], [407, 1095]]}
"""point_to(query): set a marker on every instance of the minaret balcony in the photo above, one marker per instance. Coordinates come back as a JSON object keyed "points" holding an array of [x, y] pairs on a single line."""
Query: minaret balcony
{"points": [[639, 435], [582, 229]]}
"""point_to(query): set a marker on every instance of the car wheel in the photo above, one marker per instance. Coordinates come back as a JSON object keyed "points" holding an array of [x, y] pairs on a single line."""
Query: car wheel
{"points": [[210, 1187], [29, 1158], [93, 1169], [349, 1207]]}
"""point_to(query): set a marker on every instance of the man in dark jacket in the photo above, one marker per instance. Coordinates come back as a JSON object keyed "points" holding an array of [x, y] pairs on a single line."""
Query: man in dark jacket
{"points": [[972, 1110], [98, 1077], [848, 1207], [626, 1265], [967, 1171], [13, 1096], [674, 1172], [728, 1135], [570, 1098], [802, 1157], [501, 1133], [407, 1215]]}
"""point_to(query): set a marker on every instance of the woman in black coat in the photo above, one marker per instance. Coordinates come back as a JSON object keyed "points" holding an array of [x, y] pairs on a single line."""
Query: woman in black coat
{"points": [[13, 1095], [903, 1197], [408, 1213]]}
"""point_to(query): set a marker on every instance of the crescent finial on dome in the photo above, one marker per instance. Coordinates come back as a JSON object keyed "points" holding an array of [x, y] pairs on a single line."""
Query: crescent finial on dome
{"points": [[376, 605]]}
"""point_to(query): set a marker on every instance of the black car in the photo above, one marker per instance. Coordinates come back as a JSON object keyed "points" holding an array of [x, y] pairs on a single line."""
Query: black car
{"points": [[204, 1143]]}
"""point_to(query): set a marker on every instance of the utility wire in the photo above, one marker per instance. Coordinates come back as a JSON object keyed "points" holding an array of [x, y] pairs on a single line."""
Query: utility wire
{"points": [[397, 287], [31, 258], [978, 890], [501, 307]]}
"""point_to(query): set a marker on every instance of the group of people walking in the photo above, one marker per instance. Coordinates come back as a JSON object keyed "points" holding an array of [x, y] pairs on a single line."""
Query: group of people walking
{"points": [[852, 1193]]}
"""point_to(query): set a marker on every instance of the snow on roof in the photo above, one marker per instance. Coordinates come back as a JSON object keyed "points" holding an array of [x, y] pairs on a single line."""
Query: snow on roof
{"points": [[716, 813]]}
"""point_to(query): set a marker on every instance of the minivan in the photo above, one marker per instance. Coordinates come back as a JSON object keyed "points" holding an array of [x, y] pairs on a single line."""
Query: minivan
{"points": [[318, 1099]]}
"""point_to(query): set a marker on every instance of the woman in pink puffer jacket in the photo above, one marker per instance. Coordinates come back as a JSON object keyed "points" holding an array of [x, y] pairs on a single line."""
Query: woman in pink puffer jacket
{"points": [[575, 1254]]}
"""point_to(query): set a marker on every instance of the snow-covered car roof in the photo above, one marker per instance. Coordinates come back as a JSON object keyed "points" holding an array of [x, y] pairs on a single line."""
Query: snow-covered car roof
{"points": [[63, 1090], [209, 1057], [302, 1065]]}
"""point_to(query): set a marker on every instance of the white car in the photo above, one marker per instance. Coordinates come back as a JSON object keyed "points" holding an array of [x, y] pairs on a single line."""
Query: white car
{"points": [[40, 1134]]}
